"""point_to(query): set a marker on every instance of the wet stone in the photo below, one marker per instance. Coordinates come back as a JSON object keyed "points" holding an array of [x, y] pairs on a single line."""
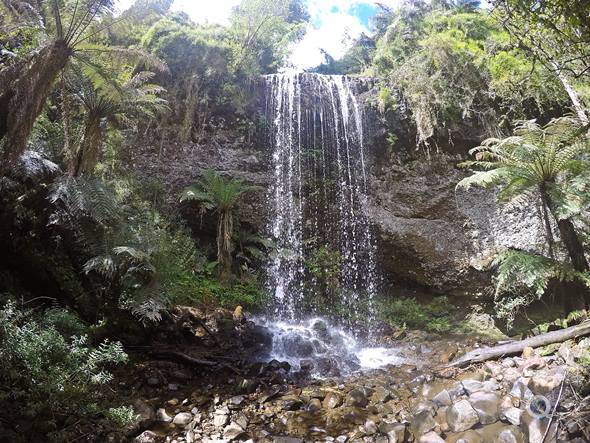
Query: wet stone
{"points": [[332, 400], [487, 406], [357, 397], [461, 416], [182, 418]]}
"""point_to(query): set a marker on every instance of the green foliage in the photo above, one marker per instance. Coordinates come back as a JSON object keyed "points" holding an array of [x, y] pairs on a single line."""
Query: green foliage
{"points": [[121, 416], [408, 312], [49, 374], [523, 277], [324, 265]]}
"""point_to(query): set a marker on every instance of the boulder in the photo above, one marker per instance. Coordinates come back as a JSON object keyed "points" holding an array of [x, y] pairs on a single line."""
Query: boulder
{"points": [[543, 384], [472, 386], [314, 405], [487, 406], [461, 416]]}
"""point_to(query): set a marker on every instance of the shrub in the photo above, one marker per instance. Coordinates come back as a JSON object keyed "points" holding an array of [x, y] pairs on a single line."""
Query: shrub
{"points": [[48, 375], [408, 312]]}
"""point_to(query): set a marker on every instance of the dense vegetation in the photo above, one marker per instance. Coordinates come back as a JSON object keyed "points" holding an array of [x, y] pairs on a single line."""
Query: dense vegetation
{"points": [[93, 256]]}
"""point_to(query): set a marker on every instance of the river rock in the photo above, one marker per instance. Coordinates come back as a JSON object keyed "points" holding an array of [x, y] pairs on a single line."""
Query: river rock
{"points": [[144, 417], [332, 400], [232, 431], [182, 418], [520, 389], [461, 416], [512, 415], [314, 405], [534, 428], [443, 398], [370, 427], [421, 423], [466, 437], [297, 346], [306, 365], [381, 395], [162, 415], [472, 386], [543, 384], [510, 434], [487, 406], [146, 437], [357, 397], [281, 439], [431, 437]]}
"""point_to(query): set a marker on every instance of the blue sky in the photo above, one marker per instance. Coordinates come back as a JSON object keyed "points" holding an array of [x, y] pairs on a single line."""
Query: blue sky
{"points": [[334, 23]]}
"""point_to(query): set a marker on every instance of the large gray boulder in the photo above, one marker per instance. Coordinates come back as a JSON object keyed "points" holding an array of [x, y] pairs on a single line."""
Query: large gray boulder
{"points": [[487, 406]]}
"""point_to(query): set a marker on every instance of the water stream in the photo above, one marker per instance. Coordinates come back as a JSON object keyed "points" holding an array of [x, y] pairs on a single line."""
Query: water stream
{"points": [[325, 260]]}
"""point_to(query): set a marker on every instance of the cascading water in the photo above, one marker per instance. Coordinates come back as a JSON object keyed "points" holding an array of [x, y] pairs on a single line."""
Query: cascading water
{"points": [[325, 257]]}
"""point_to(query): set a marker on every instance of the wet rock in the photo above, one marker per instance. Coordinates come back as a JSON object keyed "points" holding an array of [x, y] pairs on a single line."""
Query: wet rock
{"points": [[467, 437], [326, 366], [370, 427], [381, 395], [396, 432], [421, 423], [528, 352], [281, 439], [510, 434], [232, 431], [221, 417], [512, 415], [290, 403], [431, 437], [182, 418], [236, 401], [472, 386], [443, 398], [297, 346], [162, 415], [332, 400], [314, 405], [520, 389], [144, 417], [357, 397], [248, 385], [461, 416], [306, 365], [543, 384], [146, 437], [487, 406], [534, 428]]}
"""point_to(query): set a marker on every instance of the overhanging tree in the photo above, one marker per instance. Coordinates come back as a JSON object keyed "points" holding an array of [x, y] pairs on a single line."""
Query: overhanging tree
{"points": [[550, 162]]}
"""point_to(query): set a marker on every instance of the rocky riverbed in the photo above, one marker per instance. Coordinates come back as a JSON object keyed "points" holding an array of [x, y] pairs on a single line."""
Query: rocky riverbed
{"points": [[505, 401]]}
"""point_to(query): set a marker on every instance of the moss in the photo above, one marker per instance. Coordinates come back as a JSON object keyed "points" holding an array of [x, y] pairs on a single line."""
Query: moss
{"points": [[408, 312]]}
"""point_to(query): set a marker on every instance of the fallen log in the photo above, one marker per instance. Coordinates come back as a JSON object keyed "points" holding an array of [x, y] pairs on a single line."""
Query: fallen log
{"points": [[490, 353]]}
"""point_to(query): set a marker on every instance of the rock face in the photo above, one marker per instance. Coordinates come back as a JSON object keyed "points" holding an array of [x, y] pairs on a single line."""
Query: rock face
{"points": [[427, 233], [438, 237]]}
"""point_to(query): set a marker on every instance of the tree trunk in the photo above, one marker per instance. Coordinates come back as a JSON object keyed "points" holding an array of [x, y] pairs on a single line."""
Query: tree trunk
{"points": [[21, 104], [575, 251], [571, 92], [86, 158], [224, 235], [547, 223]]}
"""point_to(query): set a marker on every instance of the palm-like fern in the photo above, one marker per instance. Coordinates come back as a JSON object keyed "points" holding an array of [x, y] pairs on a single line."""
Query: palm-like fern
{"points": [[119, 100], [69, 26], [213, 192], [551, 162]]}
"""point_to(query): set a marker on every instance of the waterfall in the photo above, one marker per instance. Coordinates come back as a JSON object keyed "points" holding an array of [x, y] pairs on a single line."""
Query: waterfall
{"points": [[325, 258]]}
